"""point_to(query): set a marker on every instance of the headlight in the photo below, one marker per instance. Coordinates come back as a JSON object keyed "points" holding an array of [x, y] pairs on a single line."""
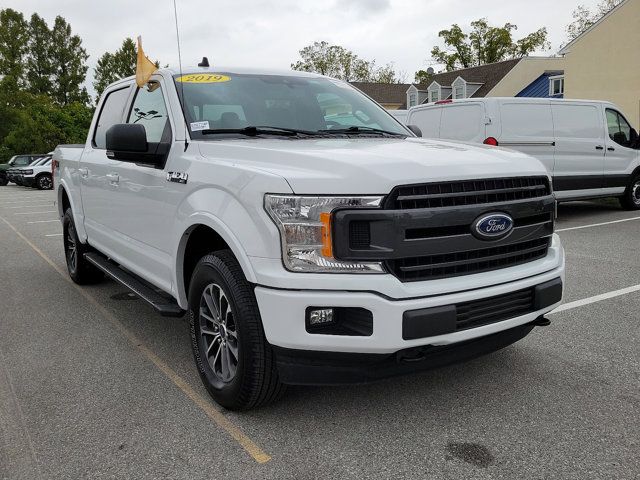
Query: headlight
{"points": [[305, 232], [27, 172]]}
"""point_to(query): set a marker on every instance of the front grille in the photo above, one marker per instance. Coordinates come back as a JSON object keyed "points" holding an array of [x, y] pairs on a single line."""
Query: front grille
{"points": [[495, 309], [467, 192], [431, 267]]}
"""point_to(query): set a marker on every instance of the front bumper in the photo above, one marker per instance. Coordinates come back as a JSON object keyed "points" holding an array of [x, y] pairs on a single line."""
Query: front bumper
{"points": [[28, 181]]}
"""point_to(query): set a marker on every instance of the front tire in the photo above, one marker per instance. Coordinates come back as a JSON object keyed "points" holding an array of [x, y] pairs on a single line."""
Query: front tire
{"points": [[80, 270], [631, 198], [233, 357], [3, 181]]}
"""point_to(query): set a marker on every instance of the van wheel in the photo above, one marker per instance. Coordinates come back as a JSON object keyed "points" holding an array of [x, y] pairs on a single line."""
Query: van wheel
{"points": [[80, 270], [235, 362], [631, 198], [43, 182]]}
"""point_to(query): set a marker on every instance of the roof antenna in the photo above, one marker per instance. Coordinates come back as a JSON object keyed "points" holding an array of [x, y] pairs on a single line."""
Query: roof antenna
{"points": [[186, 133], [204, 62]]}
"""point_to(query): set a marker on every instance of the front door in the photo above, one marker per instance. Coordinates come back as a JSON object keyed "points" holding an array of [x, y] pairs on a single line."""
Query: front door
{"points": [[620, 158], [144, 223]]}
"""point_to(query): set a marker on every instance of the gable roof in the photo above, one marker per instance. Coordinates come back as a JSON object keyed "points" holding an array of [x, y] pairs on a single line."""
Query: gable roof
{"points": [[488, 75], [385, 93], [564, 50]]}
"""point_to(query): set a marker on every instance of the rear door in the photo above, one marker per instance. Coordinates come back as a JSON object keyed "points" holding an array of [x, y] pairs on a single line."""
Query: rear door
{"points": [[98, 173], [579, 147], [528, 128], [427, 120], [620, 158], [464, 121]]}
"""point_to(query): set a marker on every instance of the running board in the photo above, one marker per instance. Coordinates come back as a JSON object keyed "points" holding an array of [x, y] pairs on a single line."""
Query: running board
{"points": [[165, 306]]}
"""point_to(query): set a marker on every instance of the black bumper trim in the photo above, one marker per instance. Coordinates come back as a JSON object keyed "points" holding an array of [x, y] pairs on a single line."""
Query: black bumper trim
{"points": [[303, 367]]}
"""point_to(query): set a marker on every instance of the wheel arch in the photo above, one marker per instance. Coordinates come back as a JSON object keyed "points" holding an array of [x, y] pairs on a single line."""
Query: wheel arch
{"points": [[204, 235]]}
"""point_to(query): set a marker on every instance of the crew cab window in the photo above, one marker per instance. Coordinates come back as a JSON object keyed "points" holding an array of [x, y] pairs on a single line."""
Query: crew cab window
{"points": [[149, 110], [111, 114], [619, 128]]}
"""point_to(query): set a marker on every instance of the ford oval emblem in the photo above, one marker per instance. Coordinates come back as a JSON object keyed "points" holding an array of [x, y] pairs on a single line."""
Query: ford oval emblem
{"points": [[492, 226]]}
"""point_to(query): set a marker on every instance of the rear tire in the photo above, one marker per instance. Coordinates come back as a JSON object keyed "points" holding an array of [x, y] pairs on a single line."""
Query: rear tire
{"points": [[80, 270], [631, 198], [234, 359], [43, 182]]}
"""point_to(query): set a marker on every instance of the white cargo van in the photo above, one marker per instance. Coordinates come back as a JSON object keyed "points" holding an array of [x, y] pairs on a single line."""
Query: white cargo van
{"points": [[588, 146]]}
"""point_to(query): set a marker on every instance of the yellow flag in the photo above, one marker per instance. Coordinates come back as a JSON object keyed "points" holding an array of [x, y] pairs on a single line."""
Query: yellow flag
{"points": [[144, 66]]}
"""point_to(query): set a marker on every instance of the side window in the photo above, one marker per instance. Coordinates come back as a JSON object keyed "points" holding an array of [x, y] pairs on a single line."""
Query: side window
{"points": [[619, 129], [149, 109], [111, 113]]}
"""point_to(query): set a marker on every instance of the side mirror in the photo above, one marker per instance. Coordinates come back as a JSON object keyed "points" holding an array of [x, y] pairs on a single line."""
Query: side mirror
{"points": [[633, 141], [416, 131], [127, 142]]}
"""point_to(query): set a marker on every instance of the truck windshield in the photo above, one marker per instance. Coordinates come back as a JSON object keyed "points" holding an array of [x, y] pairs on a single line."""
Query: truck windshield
{"points": [[245, 104]]}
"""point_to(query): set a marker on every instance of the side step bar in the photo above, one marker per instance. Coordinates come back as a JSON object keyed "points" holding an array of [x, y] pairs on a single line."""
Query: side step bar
{"points": [[165, 306]]}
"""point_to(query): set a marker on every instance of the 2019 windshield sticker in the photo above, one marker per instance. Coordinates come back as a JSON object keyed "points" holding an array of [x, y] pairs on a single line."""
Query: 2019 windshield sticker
{"points": [[198, 126], [203, 78]]}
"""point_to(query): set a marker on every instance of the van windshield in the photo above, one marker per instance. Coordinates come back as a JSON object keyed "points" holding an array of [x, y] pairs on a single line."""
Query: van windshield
{"points": [[238, 104]]}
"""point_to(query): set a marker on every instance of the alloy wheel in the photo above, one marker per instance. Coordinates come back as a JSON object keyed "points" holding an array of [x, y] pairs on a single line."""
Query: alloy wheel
{"points": [[71, 248], [218, 329]]}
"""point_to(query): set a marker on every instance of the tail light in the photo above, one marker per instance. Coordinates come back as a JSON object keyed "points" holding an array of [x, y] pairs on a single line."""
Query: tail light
{"points": [[491, 141]]}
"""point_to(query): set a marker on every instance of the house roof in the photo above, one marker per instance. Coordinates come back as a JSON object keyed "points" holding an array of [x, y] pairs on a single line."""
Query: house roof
{"points": [[567, 48], [385, 93], [539, 88], [488, 75]]}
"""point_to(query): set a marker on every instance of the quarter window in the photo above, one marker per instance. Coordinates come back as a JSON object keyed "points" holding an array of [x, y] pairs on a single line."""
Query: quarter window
{"points": [[111, 114], [149, 110]]}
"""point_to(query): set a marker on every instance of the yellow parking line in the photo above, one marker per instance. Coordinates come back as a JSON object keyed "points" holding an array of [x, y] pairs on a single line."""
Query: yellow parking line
{"points": [[205, 405]]}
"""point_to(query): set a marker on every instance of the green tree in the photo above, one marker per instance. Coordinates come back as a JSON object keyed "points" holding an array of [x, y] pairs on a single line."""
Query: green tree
{"points": [[423, 77], [69, 64], [38, 65], [339, 62], [13, 47], [485, 44], [583, 18], [114, 66]]}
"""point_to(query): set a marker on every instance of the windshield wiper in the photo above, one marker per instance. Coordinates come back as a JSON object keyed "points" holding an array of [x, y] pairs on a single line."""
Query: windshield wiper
{"points": [[253, 130], [358, 130]]}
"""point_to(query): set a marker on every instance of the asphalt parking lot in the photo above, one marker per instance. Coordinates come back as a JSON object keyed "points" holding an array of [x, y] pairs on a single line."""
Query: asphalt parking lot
{"points": [[95, 384]]}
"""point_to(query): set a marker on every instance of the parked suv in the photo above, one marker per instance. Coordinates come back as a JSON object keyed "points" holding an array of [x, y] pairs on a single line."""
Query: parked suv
{"points": [[37, 175], [588, 146], [304, 250], [15, 162]]}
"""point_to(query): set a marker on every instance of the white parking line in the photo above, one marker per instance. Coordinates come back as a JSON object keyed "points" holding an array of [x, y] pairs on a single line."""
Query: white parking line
{"points": [[26, 202], [598, 224], [34, 213], [54, 235], [44, 221], [596, 298], [32, 206]]}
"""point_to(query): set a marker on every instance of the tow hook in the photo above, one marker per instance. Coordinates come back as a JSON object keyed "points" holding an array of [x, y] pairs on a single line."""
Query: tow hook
{"points": [[541, 321]]}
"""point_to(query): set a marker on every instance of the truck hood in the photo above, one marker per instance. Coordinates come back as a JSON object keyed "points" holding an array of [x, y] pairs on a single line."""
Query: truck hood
{"points": [[366, 165]]}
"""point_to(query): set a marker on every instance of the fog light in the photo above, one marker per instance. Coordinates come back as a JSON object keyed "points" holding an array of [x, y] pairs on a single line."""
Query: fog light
{"points": [[320, 316]]}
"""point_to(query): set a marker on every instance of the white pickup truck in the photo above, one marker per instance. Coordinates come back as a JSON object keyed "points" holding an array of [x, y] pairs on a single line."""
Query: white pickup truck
{"points": [[308, 235]]}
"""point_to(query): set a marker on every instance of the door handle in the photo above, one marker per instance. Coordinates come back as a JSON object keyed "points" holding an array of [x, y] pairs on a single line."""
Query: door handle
{"points": [[611, 149], [84, 172], [599, 147], [113, 178]]}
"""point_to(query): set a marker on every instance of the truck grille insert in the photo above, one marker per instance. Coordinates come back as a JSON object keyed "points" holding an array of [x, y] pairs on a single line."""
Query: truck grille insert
{"points": [[495, 309], [453, 264], [467, 192]]}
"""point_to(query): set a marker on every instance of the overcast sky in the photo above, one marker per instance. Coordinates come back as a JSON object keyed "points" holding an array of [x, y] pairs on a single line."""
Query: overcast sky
{"points": [[269, 33]]}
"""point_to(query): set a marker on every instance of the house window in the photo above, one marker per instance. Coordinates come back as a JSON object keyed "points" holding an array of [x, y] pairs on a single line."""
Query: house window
{"points": [[458, 91], [412, 100], [434, 95], [556, 86]]}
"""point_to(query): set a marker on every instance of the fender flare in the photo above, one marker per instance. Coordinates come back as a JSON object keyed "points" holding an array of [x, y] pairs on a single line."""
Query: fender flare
{"points": [[78, 219]]}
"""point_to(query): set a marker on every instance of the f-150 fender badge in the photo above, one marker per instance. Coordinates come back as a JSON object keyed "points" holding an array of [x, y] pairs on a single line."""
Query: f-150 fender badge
{"points": [[177, 177]]}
